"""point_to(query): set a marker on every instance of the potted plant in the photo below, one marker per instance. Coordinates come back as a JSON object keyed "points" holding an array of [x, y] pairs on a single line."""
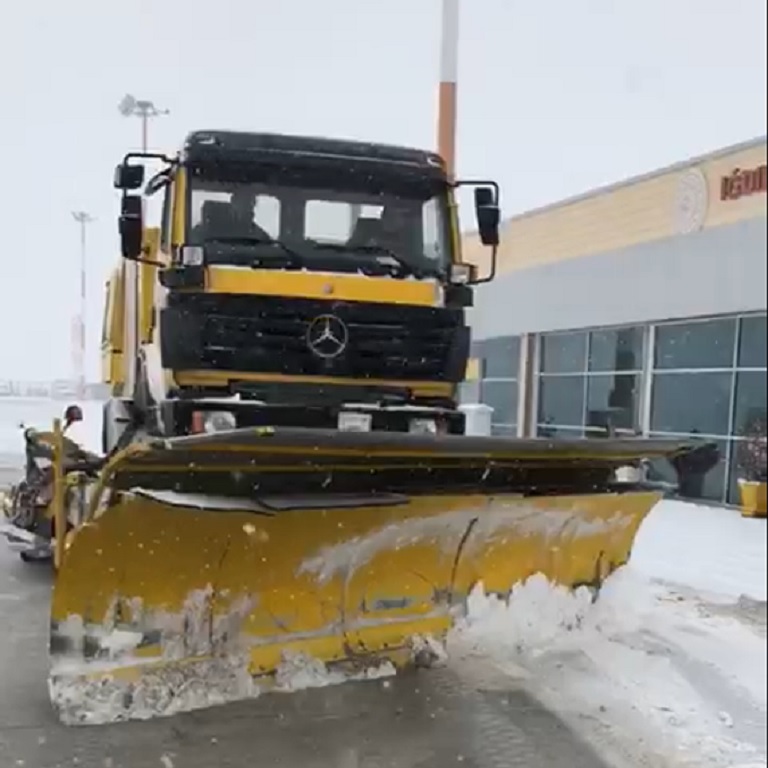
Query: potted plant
{"points": [[753, 469]]}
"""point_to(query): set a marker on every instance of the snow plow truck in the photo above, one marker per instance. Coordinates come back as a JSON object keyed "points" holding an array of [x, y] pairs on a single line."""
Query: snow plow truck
{"points": [[287, 470]]}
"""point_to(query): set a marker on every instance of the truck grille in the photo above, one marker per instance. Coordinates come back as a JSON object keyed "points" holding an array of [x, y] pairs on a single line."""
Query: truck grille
{"points": [[270, 334]]}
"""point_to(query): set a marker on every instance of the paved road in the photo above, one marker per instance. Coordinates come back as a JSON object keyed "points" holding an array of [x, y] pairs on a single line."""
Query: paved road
{"points": [[11, 467], [428, 719]]}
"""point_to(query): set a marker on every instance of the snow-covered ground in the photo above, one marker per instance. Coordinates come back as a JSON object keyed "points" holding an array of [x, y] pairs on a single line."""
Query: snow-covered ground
{"points": [[668, 667]]}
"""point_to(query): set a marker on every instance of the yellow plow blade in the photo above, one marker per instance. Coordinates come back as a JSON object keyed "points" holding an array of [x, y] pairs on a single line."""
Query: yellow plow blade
{"points": [[210, 561]]}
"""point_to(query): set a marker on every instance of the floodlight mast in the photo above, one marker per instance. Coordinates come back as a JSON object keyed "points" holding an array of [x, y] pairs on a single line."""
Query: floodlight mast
{"points": [[130, 106], [83, 219]]}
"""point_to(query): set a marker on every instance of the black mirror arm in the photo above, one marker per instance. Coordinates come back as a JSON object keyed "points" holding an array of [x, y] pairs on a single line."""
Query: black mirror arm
{"points": [[149, 262], [480, 183], [150, 156], [492, 272]]}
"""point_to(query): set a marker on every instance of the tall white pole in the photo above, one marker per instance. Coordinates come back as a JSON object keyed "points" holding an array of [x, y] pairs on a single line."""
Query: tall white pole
{"points": [[83, 219], [448, 93]]}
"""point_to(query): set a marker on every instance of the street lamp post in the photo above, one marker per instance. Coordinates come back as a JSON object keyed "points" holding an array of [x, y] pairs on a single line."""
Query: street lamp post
{"points": [[83, 219], [143, 109]]}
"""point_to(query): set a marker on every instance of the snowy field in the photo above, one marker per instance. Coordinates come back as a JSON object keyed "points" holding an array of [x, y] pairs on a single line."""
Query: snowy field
{"points": [[40, 414]]}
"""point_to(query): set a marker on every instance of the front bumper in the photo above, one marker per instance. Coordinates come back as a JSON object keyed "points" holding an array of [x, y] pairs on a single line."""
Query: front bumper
{"points": [[177, 415]]}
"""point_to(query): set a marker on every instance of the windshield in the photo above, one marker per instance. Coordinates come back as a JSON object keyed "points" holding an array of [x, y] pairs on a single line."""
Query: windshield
{"points": [[349, 230]]}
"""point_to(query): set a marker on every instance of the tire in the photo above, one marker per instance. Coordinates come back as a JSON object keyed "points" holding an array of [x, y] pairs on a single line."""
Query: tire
{"points": [[31, 560]]}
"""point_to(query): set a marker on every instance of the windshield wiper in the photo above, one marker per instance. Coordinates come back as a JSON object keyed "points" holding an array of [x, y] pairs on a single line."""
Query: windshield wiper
{"points": [[387, 257], [297, 259]]}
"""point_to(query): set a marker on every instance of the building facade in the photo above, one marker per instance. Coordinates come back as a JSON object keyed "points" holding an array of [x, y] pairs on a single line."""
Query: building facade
{"points": [[639, 308]]}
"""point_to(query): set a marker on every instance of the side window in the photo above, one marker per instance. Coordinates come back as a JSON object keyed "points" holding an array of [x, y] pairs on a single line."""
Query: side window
{"points": [[266, 214], [108, 309], [434, 230], [199, 198], [167, 218]]}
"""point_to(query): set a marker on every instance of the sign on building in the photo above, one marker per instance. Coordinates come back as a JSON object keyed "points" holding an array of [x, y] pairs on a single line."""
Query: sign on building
{"points": [[743, 183]]}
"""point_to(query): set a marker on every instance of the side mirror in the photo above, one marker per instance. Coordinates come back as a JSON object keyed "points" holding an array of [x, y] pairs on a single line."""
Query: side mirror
{"points": [[131, 226], [488, 215], [128, 177]]}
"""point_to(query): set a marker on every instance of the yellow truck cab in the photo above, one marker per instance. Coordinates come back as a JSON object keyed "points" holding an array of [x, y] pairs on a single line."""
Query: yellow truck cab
{"points": [[293, 281]]}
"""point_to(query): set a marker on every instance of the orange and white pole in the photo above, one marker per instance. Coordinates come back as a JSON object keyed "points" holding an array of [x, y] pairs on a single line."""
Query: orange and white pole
{"points": [[449, 73]]}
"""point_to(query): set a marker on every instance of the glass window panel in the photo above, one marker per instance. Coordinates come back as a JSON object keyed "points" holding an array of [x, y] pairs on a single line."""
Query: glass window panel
{"points": [[753, 344], [504, 430], [267, 214], [713, 484], [502, 397], [706, 344], [751, 406], [501, 357], [713, 487], [696, 403], [328, 221], [561, 400], [613, 401], [563, 352], [469, 392], [616, 349]]}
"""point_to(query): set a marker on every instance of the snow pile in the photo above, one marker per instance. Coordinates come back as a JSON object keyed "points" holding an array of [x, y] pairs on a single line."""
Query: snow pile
{"points": [[640, 660], [539, 616]]}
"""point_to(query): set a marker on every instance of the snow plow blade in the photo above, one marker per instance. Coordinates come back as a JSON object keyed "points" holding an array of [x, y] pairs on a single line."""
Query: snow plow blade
{"points": [[209, 562]]}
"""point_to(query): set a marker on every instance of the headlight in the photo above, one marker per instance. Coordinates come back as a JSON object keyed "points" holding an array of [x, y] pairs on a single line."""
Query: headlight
{"points": [[422, 427], [218, 421], [192, 256]]}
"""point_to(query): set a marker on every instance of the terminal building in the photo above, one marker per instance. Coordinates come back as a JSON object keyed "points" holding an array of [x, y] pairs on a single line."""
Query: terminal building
{"points": [[638, 308]]}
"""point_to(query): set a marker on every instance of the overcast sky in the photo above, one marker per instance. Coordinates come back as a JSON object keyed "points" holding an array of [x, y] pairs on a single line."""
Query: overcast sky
{"points": [[556, 97]]}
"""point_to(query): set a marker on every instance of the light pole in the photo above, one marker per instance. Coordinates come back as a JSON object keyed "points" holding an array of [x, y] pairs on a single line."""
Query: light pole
{"points": [[133, 107], [83, 218], [449, 72]]}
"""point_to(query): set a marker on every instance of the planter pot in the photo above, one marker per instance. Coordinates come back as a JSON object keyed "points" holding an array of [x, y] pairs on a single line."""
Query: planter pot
{"points": [[753, 498]]}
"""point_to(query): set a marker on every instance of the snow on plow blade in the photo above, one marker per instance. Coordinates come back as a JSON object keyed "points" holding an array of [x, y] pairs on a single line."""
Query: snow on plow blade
{"points": [[211, 561]]}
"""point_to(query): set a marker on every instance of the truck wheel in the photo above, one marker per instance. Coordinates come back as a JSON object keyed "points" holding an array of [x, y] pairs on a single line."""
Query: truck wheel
{"points": [[26, 557]]}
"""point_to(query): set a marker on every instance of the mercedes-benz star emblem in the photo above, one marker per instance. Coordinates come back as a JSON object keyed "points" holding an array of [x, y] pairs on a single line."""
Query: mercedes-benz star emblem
{"points": [[327, 336]]}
